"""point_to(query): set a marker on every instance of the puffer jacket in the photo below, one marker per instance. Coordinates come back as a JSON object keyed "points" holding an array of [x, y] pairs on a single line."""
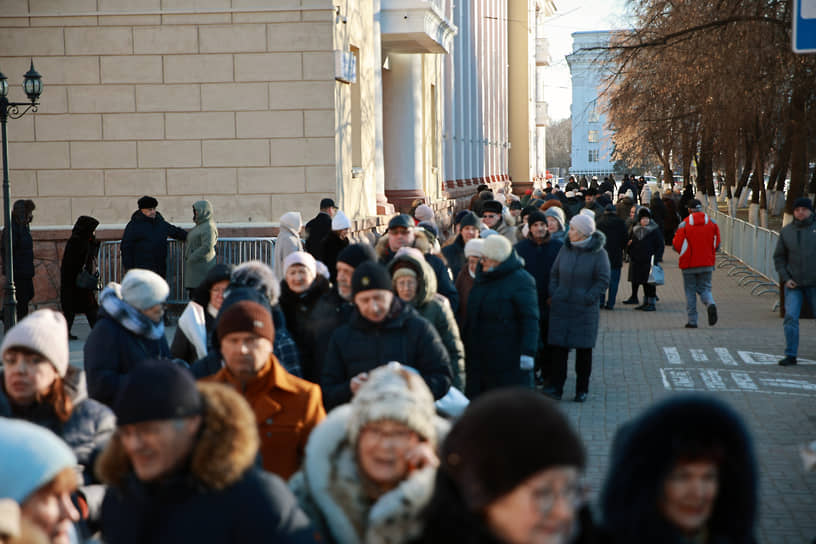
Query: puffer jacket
{"points": [[299, 311], [361, 346], [795, 252], [501, 325], [199, 251], [329, 486], [219, 496], [697, 240], [144, 242], [436, 309], [579, 276], [288, 240]]}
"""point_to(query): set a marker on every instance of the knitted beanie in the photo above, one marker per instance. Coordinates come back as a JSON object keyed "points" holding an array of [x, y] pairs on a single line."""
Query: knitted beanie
{"points": [[370, 275], [340, 221], [492, 206], [643, 212], [397, 393], [470, 219], [535, 217], [259, 276], [558, 214], [31, 457], [530, 431], [497, 248], [801, 202], [143, 289], [474, 248], [356, 254], [583, 224], [246, 316], [44, 331], [303, 258], [424, 212]]}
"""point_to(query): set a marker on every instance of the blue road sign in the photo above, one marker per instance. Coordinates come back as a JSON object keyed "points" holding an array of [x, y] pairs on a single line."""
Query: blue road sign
{"points": [[804, 26]]}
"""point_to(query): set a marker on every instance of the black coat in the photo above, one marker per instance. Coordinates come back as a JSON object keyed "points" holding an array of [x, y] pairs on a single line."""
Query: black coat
{"points": [[111, 352], [317, 229], [616, 237], [144, 242], [455, 255], [361, 346], [22, 249], [645, 243], [80, 252], [330, 248], [330, 312], [501, 326], [299, 310], [538, 261]]}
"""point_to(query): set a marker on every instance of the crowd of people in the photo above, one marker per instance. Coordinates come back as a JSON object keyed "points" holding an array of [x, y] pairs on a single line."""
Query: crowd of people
{"points": [[356, 393]]}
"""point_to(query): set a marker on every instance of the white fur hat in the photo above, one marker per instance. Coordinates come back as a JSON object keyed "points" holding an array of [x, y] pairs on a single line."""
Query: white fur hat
{"points": [[300, 257], [144, 289], [340, 221], [474, 248], [394, 392], [497, 248], [44, 331]]}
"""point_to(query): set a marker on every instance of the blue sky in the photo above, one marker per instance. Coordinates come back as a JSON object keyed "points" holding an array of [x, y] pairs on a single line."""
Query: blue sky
{"points": [[574, 16]]}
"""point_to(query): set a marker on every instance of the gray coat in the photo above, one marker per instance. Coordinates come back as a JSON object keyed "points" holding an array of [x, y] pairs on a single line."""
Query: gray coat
{"points": [[199, 251], [579, 276], [796, 251]]}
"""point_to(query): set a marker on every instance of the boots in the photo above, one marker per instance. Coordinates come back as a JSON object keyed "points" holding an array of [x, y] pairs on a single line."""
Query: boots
{"points": [[631, 300], [649, 306]]}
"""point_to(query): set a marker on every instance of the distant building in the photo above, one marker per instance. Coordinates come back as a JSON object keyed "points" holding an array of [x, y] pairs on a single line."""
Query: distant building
{"points": [[591, 139]]}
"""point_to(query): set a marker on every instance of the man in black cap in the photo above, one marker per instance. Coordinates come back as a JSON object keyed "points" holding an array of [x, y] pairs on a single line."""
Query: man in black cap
{"points": [[454, 252], [182, 467], [319, 226], [492, 217], [382, 329], [402, 233], [591, 203], [795, 248], [144, 243]]}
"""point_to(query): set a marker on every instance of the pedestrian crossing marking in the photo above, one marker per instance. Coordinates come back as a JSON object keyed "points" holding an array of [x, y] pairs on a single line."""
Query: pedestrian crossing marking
{"points": [[788, 383], [698, 355], [754, 358], [725, 356], [744, 381], [673, 355], [712, 380], [708, 379]]}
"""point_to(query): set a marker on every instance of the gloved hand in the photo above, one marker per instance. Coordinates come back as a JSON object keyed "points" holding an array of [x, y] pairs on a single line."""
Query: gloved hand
{"points": [[527, 362]]}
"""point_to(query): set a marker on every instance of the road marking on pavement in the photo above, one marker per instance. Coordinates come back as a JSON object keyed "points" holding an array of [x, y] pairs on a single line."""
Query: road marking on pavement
{"points": [[707, 379], [725, 356], [698, 355], [744, 381], [754, 358], [673, 356], [712, 380], [787, 383], [677, 379]]}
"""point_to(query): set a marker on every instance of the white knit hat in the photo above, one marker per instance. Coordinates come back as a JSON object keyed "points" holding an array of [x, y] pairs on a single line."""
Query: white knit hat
{"points": [[474, 247], [394, 392], [300, 257], [144, 289], [497, 248], [340, 221], [588, 212], [32, 456], [583, 224], [44, 331], [424, 212]]}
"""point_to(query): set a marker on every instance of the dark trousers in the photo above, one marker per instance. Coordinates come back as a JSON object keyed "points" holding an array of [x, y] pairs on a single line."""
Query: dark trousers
{"points": [[649, 289], [543, 364], [614, 281], [24, 292], [90, 314], [583, 368], [478, 382]]}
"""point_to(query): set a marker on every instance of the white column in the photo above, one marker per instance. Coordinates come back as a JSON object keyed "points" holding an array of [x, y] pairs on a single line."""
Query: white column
{"points": [[402, 123], [379, 169]]}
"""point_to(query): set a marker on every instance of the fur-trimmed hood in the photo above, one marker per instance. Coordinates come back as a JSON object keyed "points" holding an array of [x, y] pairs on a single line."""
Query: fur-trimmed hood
{"points": [[330, 483], [596, 243], [384, 253], [426, 279], [645, 450], [225, 449]]}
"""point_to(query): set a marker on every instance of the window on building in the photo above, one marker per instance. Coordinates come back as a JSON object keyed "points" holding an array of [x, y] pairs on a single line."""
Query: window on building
{"points": [[593, 137], [592, 155], [592, 112], [356, 118]]}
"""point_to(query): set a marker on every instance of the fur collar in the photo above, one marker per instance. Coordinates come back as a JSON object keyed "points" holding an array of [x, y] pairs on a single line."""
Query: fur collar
{"points": [[330, 471], [384, 252], [596, 243], [226, 446]]}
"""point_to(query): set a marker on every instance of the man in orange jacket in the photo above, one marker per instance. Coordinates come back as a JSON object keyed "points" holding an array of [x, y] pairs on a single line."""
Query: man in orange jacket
{"points": [[286, 408], [697, 240]]}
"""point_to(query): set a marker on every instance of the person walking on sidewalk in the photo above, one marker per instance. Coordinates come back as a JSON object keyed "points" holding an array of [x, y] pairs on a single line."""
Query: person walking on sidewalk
{"points": [[796, 246], [697, 240], [645, 248]]}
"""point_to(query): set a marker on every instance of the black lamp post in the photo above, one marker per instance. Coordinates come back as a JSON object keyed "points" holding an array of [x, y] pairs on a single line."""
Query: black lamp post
{"points": [[32, 84]]}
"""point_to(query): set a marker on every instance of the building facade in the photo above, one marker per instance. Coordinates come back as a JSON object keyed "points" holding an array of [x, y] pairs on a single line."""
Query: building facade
{"points": [[591, 140]]}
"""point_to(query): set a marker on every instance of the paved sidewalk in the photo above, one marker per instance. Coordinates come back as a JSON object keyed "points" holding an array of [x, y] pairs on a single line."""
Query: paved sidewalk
{"points": [[643, 356]]}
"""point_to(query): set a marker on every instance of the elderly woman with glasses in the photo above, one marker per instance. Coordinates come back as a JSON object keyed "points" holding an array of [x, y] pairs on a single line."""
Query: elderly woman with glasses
{"points": [[532, 492]]}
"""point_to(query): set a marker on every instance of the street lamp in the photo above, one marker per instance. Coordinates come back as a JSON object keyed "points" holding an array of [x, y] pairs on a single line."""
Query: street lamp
{"points": [[32, 84]]}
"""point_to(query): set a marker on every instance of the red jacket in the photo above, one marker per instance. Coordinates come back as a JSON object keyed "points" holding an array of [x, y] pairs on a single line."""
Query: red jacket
{"points": [[696, 240]]}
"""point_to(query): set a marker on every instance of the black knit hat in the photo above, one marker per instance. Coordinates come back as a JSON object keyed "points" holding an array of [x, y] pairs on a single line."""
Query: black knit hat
{"points": [[470, 219], [803, 202], [147, 202], [515, 205], [370, 275], [644, 212], [532, 434], [356, 254], [157, 390], [536, 216], [493, 206], [401, 220]]}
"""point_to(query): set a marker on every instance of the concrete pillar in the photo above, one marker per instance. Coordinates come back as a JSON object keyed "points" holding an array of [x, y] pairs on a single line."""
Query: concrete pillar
{"points": [[402, 130], [519, 94], [379, 171]]}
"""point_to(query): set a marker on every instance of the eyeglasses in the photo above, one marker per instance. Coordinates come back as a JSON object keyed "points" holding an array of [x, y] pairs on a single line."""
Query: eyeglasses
{"points": [[575, 493], [490, 216], [377, 433]]}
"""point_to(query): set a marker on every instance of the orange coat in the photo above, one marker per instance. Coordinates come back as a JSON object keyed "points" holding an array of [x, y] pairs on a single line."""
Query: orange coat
{"points": [[286, 409]]}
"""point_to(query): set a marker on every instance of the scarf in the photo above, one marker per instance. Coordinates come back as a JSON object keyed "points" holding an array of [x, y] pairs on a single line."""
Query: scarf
{"points": [[126, 315], [582, 244]]}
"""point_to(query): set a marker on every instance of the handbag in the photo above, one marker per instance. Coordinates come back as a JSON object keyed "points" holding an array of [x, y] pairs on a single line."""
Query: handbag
{"points": [[86, 280], [656, 276]]}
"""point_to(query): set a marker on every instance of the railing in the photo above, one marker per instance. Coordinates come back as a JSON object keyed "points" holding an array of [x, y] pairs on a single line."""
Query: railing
{"points": [[749, 253], [227, 250]]}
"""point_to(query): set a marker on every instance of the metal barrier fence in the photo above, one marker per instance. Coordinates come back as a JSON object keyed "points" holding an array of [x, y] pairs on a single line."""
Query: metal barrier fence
{"points": [[227, 251], [749, 252]]}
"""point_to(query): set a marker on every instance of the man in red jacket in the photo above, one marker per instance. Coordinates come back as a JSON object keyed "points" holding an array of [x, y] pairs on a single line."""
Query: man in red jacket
{"points": [[697, 240]]}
